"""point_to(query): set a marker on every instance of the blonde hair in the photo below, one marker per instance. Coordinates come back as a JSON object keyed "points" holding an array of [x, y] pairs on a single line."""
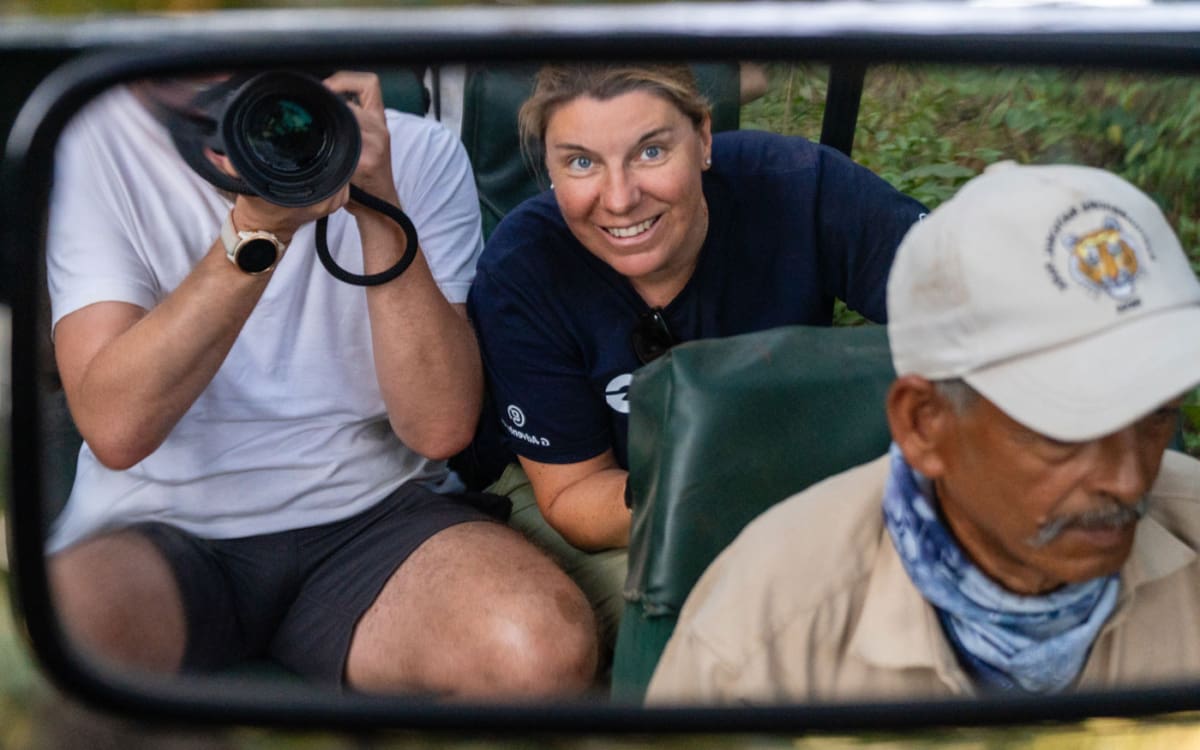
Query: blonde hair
{"points": [[557, 85]]}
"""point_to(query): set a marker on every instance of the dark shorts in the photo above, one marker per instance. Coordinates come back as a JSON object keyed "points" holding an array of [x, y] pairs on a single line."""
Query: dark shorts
{"points": [[296, 596]]}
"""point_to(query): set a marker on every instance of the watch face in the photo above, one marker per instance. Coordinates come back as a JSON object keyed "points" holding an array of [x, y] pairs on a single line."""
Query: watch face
{"points": [[256, 255]]}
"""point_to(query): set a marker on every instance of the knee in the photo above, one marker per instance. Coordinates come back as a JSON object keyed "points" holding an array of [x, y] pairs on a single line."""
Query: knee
{"points": [[550, 647]]}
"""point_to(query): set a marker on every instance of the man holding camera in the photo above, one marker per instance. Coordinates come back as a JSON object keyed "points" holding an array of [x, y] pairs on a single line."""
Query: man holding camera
{"points": [[262, 473]]}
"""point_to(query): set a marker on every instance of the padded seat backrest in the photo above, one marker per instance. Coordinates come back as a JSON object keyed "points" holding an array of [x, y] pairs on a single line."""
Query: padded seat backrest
{"points": [[720, 430], [491, 100], [403, 89]]}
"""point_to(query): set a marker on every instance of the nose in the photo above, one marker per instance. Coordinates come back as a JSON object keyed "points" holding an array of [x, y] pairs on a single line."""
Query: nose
{"points": [[621, 192], [1122, 467]]}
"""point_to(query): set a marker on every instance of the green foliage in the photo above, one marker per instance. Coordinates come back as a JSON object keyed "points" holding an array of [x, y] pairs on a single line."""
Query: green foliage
{"points": [[927, 130], [1191, 423], [844, 316]]}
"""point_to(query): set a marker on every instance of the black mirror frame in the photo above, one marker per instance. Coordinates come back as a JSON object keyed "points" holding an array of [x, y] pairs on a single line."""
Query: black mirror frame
{"points": [[742, 32]]}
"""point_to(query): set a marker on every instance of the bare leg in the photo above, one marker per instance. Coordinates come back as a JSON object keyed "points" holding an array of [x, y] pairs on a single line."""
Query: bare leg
{"points": [[476, 611], [117, 597]]}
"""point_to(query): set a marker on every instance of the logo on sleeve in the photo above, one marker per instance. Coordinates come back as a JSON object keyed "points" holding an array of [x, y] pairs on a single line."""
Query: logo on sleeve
{"points": [[517, 417], [616, 393]]}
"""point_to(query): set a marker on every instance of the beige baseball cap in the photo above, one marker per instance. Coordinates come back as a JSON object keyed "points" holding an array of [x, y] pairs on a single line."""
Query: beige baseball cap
{"points": [[1060, 293]]}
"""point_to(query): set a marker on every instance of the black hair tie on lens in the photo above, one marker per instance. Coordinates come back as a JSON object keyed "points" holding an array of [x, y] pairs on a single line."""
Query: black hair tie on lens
{"points": [[371, 279]]}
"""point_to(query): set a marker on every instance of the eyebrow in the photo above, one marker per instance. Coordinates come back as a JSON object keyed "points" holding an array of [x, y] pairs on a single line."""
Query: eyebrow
{"points": [[647, 136]]}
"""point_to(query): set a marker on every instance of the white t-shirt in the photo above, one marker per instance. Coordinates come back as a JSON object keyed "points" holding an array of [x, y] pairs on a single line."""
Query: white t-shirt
{"points": [[292, 431]]}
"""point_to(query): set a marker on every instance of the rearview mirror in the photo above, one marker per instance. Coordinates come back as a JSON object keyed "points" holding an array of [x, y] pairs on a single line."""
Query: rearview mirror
{"points": [[924, 97]]}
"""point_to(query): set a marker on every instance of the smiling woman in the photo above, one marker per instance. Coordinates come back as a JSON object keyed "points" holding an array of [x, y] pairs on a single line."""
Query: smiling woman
{"points": [[651, 218]]}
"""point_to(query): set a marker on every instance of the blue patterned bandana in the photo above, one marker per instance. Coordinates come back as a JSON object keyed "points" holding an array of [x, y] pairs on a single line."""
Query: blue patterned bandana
{"points": [[1035, 643]]}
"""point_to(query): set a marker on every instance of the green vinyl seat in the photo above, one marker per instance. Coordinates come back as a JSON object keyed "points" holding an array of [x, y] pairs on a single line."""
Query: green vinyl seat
{"points": [[404, 89], [720, 430]]}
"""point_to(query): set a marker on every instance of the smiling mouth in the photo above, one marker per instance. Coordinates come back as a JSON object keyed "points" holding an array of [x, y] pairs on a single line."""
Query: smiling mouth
{"points": [[633, 231]]}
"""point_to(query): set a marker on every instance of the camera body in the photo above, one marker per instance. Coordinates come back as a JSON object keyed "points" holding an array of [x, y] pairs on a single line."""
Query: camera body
{"points": [[292, 141]]}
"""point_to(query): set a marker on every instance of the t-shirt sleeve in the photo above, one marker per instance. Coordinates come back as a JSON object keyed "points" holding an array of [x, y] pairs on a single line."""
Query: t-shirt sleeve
{"points": [[862, 220], [437, 191], [546, 406], [91, 252]]}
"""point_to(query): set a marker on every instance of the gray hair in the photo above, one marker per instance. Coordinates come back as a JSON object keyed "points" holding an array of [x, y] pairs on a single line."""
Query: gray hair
{"points": [[960, 395]]}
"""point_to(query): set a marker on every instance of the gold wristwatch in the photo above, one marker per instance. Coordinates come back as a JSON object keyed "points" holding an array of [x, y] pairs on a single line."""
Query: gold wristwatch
{"points": [[254, 252]]}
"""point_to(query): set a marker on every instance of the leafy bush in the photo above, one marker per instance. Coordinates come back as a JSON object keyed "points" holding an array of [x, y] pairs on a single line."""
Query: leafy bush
{"points": [[927, 130]]}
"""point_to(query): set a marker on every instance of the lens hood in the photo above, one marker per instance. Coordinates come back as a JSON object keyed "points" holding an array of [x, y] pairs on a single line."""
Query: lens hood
{"points": [[292, 141]]}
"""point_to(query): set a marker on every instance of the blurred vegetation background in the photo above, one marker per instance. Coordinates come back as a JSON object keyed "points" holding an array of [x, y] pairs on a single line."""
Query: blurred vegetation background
{"points": [[926, 131], [929, 129]]}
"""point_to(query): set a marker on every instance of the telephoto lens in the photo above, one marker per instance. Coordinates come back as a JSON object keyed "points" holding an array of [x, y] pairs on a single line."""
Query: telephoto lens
{"points": [[292, 141]]}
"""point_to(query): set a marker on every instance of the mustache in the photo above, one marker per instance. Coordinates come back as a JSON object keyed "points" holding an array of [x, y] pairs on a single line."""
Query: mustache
{"points": [[1112, 515]]}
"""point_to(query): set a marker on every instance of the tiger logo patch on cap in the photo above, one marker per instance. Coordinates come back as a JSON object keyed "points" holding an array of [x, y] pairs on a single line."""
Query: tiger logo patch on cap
{"points": [[1104, 259], [1101, 249]]}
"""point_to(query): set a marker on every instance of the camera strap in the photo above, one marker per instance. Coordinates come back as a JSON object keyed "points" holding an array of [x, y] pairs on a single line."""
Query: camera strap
{"points": [[371, 279]]}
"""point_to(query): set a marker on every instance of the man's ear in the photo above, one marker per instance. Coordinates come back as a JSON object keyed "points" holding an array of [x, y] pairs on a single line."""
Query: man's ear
{"points": [[923, 423]]}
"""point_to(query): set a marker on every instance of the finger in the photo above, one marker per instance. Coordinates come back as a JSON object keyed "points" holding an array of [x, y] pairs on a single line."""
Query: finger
{"points": [[364, 87], [221, 162], [340, 199]]}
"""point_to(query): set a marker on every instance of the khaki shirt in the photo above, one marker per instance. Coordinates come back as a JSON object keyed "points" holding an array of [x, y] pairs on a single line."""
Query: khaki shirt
{"points": [[811, 602]]}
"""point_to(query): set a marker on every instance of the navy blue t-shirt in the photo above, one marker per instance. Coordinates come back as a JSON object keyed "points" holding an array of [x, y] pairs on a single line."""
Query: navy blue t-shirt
{"points": [[792, 225]]}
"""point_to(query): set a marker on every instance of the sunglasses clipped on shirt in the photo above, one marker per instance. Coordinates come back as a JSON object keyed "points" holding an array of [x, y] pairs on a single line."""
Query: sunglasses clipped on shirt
{"points": [[651, 337]]}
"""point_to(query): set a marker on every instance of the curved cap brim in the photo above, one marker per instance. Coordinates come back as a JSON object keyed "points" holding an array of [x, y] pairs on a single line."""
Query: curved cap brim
{"points": [[1101, 383]]}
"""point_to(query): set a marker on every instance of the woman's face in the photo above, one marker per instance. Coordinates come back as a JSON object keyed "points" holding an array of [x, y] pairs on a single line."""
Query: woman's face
{"points": [[626, 173]]}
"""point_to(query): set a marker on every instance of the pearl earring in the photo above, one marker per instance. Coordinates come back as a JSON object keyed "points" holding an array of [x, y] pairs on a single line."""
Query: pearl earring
{"points": [[708, 161]]}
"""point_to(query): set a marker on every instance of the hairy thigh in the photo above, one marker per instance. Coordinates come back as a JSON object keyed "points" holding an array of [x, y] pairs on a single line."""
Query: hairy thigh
{"points": [[475, 610]]}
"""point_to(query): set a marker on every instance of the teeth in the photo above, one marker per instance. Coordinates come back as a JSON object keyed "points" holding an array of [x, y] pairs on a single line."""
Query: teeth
{"points": [[632, 231]]}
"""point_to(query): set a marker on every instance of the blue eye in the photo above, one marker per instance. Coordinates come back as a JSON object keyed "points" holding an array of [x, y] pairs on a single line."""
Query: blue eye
{"points": [[652, 152], [580, 162]]}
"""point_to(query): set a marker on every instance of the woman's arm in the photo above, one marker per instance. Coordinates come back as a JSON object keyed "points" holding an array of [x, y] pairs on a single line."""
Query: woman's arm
{"points": [[583, 501]]}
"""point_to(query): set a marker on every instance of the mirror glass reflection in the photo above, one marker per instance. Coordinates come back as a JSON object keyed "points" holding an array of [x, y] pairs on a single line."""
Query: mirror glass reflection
{"points": [[369, 381]]}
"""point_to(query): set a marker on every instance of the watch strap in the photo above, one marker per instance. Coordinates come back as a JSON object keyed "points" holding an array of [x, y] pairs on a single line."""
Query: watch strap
{"points": [[229, 236], [233, 240]]}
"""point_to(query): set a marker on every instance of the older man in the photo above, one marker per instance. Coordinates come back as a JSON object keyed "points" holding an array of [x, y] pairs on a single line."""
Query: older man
{"points": [[1028, 531]]}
